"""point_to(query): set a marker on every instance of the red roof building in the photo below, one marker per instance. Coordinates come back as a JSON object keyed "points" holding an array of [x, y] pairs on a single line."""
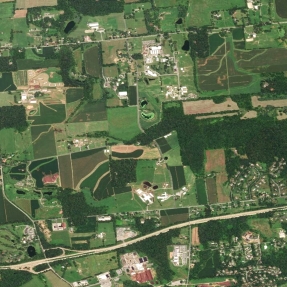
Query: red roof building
{"points": [[143, 277], [50, 178]]}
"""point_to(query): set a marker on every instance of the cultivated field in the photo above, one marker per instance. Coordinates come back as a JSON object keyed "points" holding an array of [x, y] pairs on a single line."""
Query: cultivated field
{"points": [[177, 174], [73, 95], [208, 107], [92, 62], [274, 103], [215, 160], [66, 173], [211, 190], [24, 4], [83, 163], [20, 78], [216, 116]]}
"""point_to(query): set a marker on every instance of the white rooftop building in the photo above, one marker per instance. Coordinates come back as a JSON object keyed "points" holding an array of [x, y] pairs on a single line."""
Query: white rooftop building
{"points": [[155, 50], [123, 95], [94, 25], [104, 218]]}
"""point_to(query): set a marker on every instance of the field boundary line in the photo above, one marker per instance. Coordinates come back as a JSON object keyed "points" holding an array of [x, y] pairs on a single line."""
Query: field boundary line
{"points": [[220, 65], [252, 57], [98, 181], [48, 107]]}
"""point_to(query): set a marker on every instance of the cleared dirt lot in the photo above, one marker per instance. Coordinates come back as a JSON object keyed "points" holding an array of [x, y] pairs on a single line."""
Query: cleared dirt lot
{"points": [[208, 107], [20, 13], [275, 103], [216, 116]]}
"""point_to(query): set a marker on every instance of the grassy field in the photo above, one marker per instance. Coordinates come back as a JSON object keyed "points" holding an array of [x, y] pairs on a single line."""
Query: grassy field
{"points": [[170, 16], [110, 50], [78, 59], [73, 94], [36, 282], [108, 229], [66, 173], [61, 237], [174, 157], [123, 123], [55, 280], [145, 170], [201, 192], [86, 127], [97, 91], [199, 11], [49, 114], [54, 75]]}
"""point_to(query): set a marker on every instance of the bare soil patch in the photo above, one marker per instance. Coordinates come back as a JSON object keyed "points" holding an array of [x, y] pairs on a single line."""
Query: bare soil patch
{"points": [[20, 13], [275, 103], [194, 236], [24, 4], [215, 160], [216, 116], [249, 115], [208, 106]]}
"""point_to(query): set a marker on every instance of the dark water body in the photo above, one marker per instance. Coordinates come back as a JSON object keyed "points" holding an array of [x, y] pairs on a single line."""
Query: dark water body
{"points": [[31, 251], [6, 82], [20, 192], [147, 116], [17, 176], [69, 27], [21, 168], [179, 21], [144, 103], [185, 46], [155, 187]]}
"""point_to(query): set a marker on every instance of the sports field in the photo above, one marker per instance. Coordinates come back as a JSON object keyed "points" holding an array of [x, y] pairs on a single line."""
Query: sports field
{"points": [[123, 123]]}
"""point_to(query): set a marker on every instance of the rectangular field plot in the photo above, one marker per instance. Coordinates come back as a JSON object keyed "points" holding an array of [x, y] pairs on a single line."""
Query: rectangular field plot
{"points": [[73, 95], [108, 229], [171, 216], [55, 280], [44, 145], [91, 111], [211, 190], [61, 238], [74, 129], [49, 114], [132, 94], [110, 50], [178, 178], [173, 155], [201, 192], [215, 160], [145, 170], [92, 62], [223, 189], [66, 173], [163, 145]]}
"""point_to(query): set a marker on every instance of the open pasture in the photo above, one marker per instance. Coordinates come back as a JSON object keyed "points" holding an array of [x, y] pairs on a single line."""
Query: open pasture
{"points": [[111, 71], [84, 163], [66, 173], [108, 229], [91, 111], [145, 170], [6, 99], [55, 280], [78, 59], [82, 128], [110, 48], [148, 152], [222, 187], [163, 145], [199, 11], [169, 17], [123, 122], [171, 216], [92, 61], [208, 107]]}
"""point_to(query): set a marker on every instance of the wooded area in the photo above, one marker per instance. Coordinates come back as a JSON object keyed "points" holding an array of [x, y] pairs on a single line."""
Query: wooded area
{"points": [[13, 117]]}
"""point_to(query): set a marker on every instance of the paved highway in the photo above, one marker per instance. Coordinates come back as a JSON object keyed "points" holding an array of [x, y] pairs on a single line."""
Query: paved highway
{"points": [[29, 265]]}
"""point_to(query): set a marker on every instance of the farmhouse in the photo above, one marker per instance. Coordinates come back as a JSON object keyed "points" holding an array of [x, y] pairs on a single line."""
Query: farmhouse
{"points": [[59, 226], [104, 218], [105, 279], [50, 178]]}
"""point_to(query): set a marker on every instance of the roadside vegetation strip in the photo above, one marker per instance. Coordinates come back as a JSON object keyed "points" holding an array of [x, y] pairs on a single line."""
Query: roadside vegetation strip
{"points": [[104, 163], [79, 253]]}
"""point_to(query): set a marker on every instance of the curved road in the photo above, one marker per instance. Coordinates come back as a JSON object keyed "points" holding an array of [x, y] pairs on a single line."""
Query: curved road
{"points": [[29, 265]]}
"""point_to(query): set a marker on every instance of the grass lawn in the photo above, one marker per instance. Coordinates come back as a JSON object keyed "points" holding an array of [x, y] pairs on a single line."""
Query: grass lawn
{"points": [[173, 155], [54, 75], [6, 99], [108, 229], [145, 170], [170, 16], [61, 237], [123, 123]]}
